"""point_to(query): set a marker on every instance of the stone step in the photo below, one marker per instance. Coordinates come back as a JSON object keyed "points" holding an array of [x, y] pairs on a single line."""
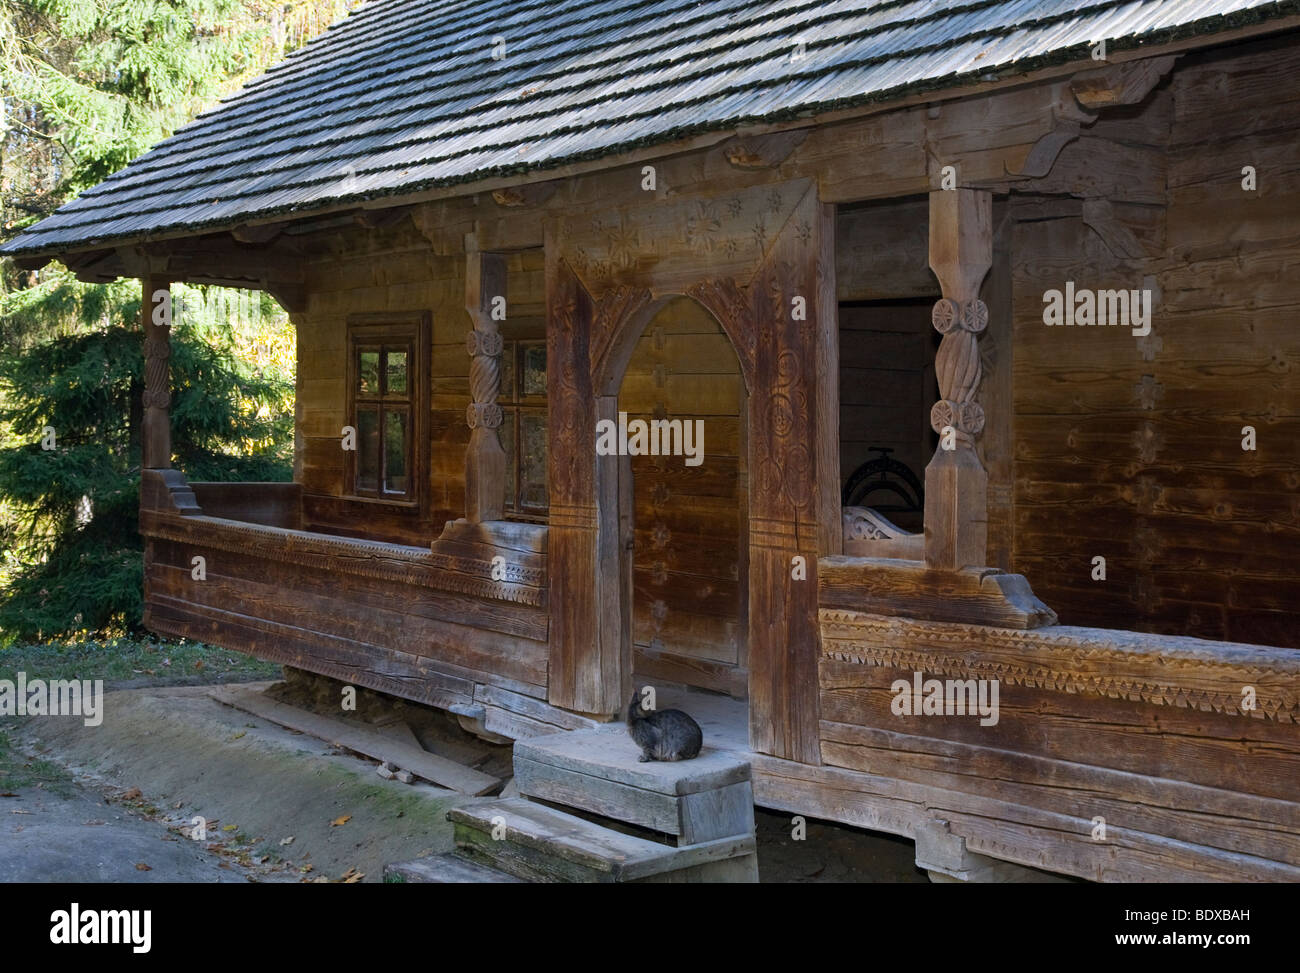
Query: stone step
{"points": [[448, 868], [698, 800], [541, 844]]}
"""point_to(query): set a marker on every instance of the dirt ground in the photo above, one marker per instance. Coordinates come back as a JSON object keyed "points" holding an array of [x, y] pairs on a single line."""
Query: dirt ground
{"points": [[278, 806]]}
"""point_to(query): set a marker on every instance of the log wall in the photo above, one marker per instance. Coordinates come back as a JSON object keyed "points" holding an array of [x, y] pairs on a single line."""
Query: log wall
{"points": [[1130, 448]]}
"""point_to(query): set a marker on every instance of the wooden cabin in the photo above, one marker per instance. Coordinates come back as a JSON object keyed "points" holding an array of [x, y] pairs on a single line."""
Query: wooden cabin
{"points": [[987, 317]]}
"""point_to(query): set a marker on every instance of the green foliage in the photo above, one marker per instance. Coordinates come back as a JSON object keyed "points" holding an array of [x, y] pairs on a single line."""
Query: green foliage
{"points": [[86, 86], [73, 524], [119, 660]]}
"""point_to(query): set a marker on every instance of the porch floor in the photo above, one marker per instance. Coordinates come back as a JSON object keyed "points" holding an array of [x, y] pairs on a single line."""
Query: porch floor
{"points": [[724, 720]]}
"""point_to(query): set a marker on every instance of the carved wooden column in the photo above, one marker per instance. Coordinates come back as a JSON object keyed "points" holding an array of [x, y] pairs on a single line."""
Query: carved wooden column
{"points": [[485, 460], [956, 506], [156, 316]]}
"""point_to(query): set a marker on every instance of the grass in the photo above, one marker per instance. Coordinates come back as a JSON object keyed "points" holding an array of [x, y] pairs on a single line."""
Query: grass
{"points": [[118, 660], [122, 659], [16, 771]]}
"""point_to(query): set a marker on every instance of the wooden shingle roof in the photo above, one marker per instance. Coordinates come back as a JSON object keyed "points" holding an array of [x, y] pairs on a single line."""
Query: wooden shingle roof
{"points": [[406, 95]]}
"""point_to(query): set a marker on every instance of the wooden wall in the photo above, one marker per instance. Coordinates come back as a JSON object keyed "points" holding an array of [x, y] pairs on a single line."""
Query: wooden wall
{"points": [[689, 575], [1148, 733], [369, 271], [1131, 448]]}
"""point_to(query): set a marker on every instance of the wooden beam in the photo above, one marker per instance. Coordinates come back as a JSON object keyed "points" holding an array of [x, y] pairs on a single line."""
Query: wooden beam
{"points": [[236, 263], [830, 522], [1120, 84], [485, 460], [31, 263], [156, 317], [259, 233], [956, 505], [381, 219]]}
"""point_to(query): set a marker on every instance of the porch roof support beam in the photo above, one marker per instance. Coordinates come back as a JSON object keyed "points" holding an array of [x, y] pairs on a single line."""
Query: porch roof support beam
{"points": [[956, 484], [485, 460], [156, 317]]}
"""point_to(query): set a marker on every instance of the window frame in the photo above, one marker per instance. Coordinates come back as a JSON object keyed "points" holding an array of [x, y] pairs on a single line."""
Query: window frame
{"points": [[515, 405], [384, 330]]}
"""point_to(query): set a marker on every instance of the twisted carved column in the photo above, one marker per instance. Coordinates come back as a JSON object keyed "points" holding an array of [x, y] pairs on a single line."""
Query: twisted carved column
{"points": [[485, 460], [956, 504], [957, 367], [484, 348]]}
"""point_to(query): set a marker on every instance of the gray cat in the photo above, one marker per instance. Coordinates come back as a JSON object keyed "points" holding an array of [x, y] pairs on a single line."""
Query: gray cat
{"points": [[666, 734]]}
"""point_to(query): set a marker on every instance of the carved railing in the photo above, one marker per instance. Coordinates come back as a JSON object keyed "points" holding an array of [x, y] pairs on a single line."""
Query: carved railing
{"points": [[869, 533]]}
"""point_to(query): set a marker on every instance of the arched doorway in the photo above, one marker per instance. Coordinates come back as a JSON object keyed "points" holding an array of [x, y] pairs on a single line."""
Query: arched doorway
{"points": [[685, 509]]}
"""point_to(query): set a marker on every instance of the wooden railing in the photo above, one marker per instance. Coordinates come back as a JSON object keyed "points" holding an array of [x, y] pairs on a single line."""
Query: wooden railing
{"points": [[272, 504], [1114, 755], [461, 624]]}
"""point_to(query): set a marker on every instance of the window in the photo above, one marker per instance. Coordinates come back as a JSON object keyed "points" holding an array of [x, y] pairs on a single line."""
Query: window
{"points": [[387, 406], [523, 427]]}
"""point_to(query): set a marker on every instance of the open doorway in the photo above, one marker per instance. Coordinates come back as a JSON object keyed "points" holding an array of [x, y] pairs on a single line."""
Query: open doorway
{"points": [[887, 384], [688, 513]]}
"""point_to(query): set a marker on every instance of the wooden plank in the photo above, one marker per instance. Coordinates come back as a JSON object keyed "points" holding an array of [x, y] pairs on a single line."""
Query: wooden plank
{"points": [[359, 739], [535, 709], [599, 795], [672, 667], [609, 753], [436, 682], [569, 848], [1001, 829], [1160, 806], [446, 869], [1188, 747], [888, 586]]}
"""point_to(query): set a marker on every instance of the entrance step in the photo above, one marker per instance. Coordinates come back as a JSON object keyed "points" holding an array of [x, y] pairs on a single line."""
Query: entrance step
{"points": [[448, 868], [538, 843], [699, 800]]}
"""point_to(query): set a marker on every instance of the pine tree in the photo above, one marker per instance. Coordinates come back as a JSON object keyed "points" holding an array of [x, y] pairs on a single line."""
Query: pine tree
{"points": [[85, 86], [72, 476]]}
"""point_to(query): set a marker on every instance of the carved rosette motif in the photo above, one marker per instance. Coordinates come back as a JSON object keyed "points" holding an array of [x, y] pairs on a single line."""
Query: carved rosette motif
{"points": [[958, 367], [157, 394], [484, 348], [483, 415]]}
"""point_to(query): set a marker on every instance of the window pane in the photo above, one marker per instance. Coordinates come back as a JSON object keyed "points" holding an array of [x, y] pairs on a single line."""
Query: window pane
{"points": [[507, 431], [534, 369], [395, 472], [368, 372], [367, 448], [508, 372], [532, 459], [395, 378]]}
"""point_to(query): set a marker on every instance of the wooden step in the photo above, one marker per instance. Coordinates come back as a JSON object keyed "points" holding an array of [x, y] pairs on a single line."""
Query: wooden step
{"points": [[696, 800], [360, 739], [445, 869], [541, 844]]}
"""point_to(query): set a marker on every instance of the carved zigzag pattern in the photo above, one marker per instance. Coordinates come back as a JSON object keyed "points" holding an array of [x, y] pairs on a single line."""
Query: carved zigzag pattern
{"points": [[954, 650]]}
